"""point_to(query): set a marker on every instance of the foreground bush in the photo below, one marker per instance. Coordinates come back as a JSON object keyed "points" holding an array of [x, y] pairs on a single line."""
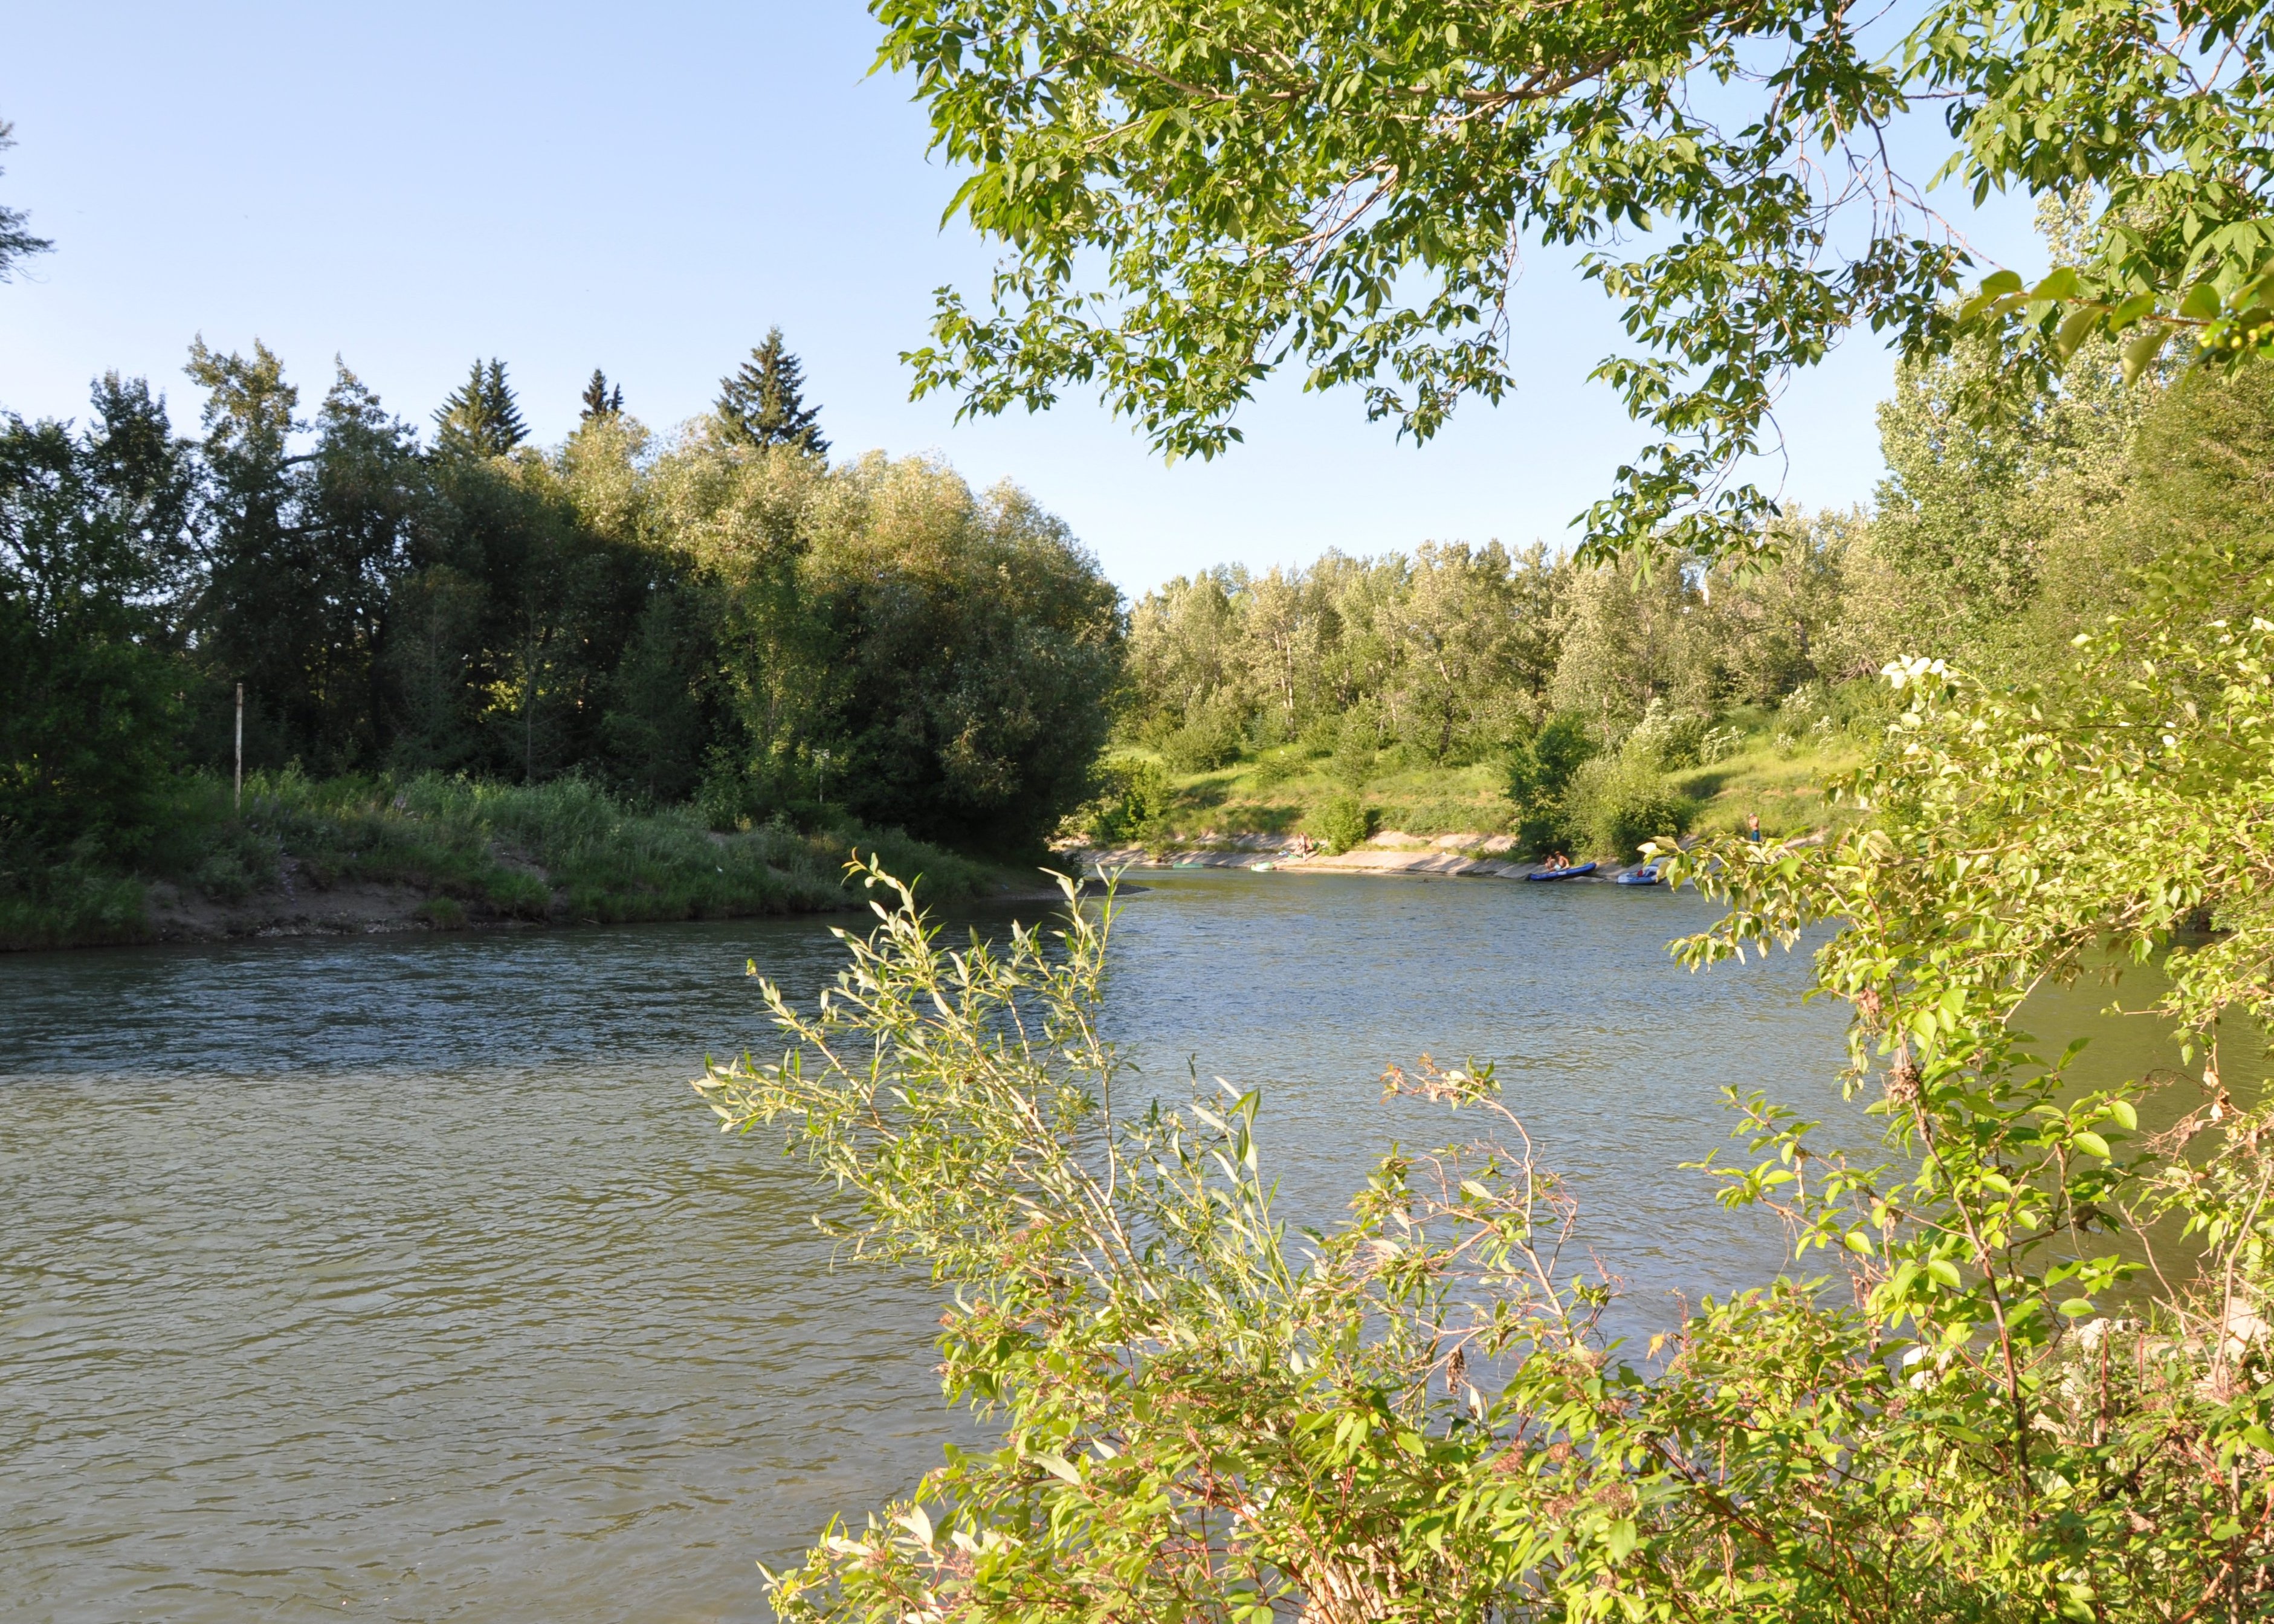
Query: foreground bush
{"points": [[1976, 1412]]}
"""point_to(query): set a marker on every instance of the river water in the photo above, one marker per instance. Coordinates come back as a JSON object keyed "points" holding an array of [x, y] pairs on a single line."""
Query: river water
{"points": [[405, 1278]]}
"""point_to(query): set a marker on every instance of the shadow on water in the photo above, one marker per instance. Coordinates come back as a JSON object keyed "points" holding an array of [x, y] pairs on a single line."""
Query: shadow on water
{"points": [[405, 1276]]}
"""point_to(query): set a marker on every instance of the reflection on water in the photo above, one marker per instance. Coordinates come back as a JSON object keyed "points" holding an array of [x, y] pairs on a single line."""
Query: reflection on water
{"points": [[405, 1278]]}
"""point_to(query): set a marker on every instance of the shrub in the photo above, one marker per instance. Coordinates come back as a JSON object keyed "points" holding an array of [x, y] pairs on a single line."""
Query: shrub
{"points": [[1542, 767], [1210, 737], [1668, 740], [1617, 802], [1273, 770], [1416, 1415], [443, 912], [1343, 823], [1134, 801]]}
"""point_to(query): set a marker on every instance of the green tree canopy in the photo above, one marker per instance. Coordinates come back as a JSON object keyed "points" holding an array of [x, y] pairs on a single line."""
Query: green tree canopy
{"points": [[480, 418], [95, 549], [763, 403], [1194, 193]]}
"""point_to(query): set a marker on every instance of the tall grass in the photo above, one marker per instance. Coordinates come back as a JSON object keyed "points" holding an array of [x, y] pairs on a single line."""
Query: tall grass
{"points": [[567, 852]]}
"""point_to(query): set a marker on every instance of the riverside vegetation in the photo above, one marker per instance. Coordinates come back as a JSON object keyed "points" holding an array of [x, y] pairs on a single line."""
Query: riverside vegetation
{"points": [[2020, 1364], [1589, 707], [721, 631]]}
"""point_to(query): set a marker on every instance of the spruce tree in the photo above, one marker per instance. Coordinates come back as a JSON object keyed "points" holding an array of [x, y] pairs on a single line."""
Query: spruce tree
{"points": [[17, 242], [763, 404], [601, 400], [481, 417]]}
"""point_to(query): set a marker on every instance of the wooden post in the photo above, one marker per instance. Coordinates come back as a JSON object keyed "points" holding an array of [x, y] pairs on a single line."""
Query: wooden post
{"points": [[238, 800]]}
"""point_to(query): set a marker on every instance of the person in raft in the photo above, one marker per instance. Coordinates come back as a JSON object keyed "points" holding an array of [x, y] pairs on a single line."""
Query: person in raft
{"points": [[1558, 862]]}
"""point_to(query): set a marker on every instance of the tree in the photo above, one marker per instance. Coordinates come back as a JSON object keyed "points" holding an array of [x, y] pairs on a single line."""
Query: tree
{"points": [[764, 403], [954, 652], [17, 242], [97, 549], [480, 418], [600, 399], [305, 549], [1193, 193]]}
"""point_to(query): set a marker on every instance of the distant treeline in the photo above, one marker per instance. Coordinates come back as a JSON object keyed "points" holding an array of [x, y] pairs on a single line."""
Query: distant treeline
{"points": [[1992, 541], [720, 614]]}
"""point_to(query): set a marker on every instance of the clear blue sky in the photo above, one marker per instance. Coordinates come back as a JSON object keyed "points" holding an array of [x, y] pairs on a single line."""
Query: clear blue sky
{"points": [[647, 189]]}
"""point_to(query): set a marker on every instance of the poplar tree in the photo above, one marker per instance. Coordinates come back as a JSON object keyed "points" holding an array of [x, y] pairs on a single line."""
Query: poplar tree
{"points": [[602, 400], [480, 418], [763, 403]]}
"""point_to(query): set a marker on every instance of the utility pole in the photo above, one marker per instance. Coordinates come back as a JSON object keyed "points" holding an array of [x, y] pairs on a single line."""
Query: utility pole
{"points": [[239, 800]]}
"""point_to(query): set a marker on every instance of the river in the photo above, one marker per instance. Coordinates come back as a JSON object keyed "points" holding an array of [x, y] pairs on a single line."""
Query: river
{"points": [[405, 1278]]}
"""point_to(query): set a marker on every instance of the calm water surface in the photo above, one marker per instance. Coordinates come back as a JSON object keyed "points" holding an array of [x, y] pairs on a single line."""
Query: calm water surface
{"points": [[405, 1279]]}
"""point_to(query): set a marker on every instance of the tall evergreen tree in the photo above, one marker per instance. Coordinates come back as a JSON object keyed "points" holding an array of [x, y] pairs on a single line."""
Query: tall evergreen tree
{"points": [[600, 399], [764, 403], [16, 239], [481, 417]]}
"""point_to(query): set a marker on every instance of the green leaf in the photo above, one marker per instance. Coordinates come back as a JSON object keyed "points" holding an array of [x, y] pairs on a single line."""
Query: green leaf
{"points": [[1620, 1539], [2141, 353], [2126, 1116], [2086, 1140], [2001, 281], [2129, 310], [2062, 284], [1058, 1466], [2074, 330], [2076, 1307], [1946, 1272], [2203, 302]]}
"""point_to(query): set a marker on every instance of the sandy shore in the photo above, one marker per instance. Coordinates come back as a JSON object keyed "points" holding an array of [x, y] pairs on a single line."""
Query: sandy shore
{"points": [[1468, 856]]}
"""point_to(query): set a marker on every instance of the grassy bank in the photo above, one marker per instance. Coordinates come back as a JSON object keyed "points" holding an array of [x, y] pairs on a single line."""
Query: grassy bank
{"points": [[1757, 768], [447, 852]]}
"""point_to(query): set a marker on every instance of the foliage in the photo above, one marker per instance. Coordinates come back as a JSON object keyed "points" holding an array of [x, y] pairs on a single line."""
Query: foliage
{"points": [[566, 851], [480, 418], [1344, 822], [1615, 803], [614, 607], [1445, 652], [17, 242], [954, 653], [1542, 766], [1456, 655], [600, 399], [763, 403], [1134, 796], [1415, 1414], [94, 542], [1210, 736], [1667, 740], [1193, 193]]}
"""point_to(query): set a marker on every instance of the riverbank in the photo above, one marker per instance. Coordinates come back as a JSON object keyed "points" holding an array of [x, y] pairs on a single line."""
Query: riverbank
{"points": [[359, 856], [1464, 855], [1266, 798]]}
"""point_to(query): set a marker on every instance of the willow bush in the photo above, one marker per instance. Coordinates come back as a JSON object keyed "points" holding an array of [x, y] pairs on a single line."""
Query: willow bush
{"points": [[1959, 1402]]}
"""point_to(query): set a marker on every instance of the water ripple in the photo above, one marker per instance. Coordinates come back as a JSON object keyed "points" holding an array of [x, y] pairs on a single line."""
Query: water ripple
{"points": [[404, 1279]]}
